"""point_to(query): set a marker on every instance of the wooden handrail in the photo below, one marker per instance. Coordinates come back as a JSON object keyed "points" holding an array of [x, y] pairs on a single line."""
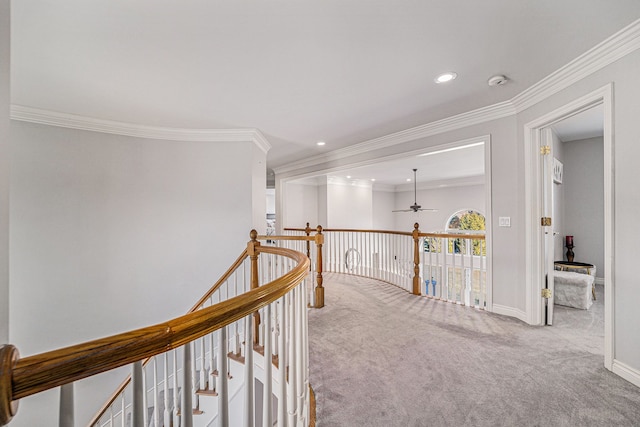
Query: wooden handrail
{"points": [[34, 374], [400, 233]]}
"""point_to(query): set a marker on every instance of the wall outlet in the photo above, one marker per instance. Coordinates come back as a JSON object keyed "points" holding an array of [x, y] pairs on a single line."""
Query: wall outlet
{"points": [[504, 221]]}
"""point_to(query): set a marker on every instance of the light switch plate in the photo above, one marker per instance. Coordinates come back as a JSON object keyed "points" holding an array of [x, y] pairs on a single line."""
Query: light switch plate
{"points": [[504, 221]]}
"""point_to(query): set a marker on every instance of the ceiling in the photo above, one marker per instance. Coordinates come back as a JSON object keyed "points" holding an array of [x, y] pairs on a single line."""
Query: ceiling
{"points": [[299, 71]]}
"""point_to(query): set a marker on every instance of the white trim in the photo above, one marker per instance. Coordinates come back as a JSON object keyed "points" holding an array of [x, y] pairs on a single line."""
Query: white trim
{"points": [[509, 311], [533, 244], [387, 158], [627, 372], [481, 115], [72, 121], [608, 51], [599, 281], [488, 223]]}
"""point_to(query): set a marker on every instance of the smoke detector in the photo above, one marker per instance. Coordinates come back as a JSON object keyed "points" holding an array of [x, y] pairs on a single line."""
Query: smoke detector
{"points": [[497, 80]]}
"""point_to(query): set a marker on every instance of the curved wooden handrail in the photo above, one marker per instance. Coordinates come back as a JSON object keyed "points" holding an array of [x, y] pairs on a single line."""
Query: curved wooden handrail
{"points": [[44, 371], [399, 233]]}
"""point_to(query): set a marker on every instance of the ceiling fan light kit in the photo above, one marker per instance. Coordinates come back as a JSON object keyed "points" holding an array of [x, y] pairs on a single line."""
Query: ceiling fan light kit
{"points": [[415, 207]]}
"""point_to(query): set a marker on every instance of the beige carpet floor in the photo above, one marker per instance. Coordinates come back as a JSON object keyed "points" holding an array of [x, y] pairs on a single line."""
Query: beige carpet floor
{"points": [[382, 357]]}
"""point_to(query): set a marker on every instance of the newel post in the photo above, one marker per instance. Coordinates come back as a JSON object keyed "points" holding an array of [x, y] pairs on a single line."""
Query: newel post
{"points": [[252, 251], [308, 230], [8, 407], [319, 289], [416, 259]]}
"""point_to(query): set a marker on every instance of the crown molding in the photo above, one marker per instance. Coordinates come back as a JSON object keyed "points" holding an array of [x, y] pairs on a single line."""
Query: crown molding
{"points": [[72, 121], [480, 115], [608, 51]]}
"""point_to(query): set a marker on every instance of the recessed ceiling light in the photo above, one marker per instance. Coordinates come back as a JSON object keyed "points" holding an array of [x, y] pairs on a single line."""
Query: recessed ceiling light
{"points": [[373, 179], [348, 176], [445, 77], [320, 143], [408, 179]]}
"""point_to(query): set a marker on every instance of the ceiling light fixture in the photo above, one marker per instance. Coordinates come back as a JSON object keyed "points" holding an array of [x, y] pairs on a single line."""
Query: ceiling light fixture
{"points": [[408, 179], [320, 143], [446, 77], [497, 80], [348, 176], [451, 149]]}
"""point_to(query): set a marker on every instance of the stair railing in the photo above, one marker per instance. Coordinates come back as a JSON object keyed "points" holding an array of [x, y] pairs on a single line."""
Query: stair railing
{"points": [[302, 240], [190, 356], [443, 265]]}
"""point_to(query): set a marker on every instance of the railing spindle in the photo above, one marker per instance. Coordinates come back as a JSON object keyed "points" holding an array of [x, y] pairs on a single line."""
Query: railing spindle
{"points": [[138, 394], [66, 414]]}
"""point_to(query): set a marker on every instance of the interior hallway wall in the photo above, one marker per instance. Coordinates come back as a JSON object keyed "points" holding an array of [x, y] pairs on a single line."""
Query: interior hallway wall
{"points": [[584, 200], [625, 174], [5, 101], [558, 189], [383, 205], [447, 201], [111, 233]]}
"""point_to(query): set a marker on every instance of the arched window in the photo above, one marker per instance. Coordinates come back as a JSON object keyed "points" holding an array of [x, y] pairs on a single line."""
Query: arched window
{"points": [[466, 221]]}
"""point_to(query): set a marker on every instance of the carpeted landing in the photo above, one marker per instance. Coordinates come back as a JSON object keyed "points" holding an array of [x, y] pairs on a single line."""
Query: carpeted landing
{"points": [[382, 357]]}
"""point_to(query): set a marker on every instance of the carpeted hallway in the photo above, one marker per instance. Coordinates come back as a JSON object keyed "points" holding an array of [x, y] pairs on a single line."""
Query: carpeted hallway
{"points": [[382, 357]]}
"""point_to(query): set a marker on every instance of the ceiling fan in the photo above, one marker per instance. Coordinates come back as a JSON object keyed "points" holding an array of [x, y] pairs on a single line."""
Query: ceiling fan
{"points": [[415, 207]]}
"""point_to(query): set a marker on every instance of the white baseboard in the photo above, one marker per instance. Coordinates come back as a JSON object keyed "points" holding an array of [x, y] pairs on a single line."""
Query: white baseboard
{"points": [[509, 311], [627, 372]]}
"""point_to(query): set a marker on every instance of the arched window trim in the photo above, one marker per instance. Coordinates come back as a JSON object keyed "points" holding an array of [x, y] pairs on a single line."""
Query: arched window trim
{"points": [[458, 231]]}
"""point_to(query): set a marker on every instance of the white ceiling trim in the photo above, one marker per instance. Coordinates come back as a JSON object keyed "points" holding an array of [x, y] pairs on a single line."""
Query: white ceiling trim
{"points": [[610, 50], [35, 115], [481, 115]]}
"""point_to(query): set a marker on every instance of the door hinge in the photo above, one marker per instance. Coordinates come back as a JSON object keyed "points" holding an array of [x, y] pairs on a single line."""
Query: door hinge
{"points": [[546, 293], [545, 221], [545, 149]]}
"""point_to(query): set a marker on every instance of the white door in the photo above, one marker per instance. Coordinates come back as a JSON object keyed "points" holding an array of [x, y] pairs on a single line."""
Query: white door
{"points": [[546, 151]]}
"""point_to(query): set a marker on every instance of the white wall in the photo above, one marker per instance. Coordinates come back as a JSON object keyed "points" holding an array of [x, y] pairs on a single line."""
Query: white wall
{"points": [[271, 200], [584, 200], [258, 186], [383, 205], [349, 203], [5, 34], [557, 218], [626, 107], [111, 233], [301, 206], [447, 200]]}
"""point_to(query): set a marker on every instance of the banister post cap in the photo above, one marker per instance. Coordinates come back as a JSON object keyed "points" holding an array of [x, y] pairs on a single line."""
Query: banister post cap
{"points": [[253, 235], [9, 356], [319, 229]]}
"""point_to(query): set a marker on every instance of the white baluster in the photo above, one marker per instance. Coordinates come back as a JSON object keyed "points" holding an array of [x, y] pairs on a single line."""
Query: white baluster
{"points": [[223, 379], [138, 394], [267, 416], [123, 407], [65, 416], [291, 385], [248, 371], [176, 403], [282, 359], [167, 412], [186, 404], [156, 395]]}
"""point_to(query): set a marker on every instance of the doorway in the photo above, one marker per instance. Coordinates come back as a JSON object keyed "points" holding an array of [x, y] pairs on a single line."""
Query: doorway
{"points": [[539, 239]]}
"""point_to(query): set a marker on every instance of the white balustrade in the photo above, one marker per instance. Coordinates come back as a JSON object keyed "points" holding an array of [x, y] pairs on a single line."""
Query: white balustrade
{"points": [[199, 373]]}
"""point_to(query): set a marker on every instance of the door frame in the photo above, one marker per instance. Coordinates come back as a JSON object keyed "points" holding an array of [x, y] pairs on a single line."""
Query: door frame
{"points": [[534, 244]]}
